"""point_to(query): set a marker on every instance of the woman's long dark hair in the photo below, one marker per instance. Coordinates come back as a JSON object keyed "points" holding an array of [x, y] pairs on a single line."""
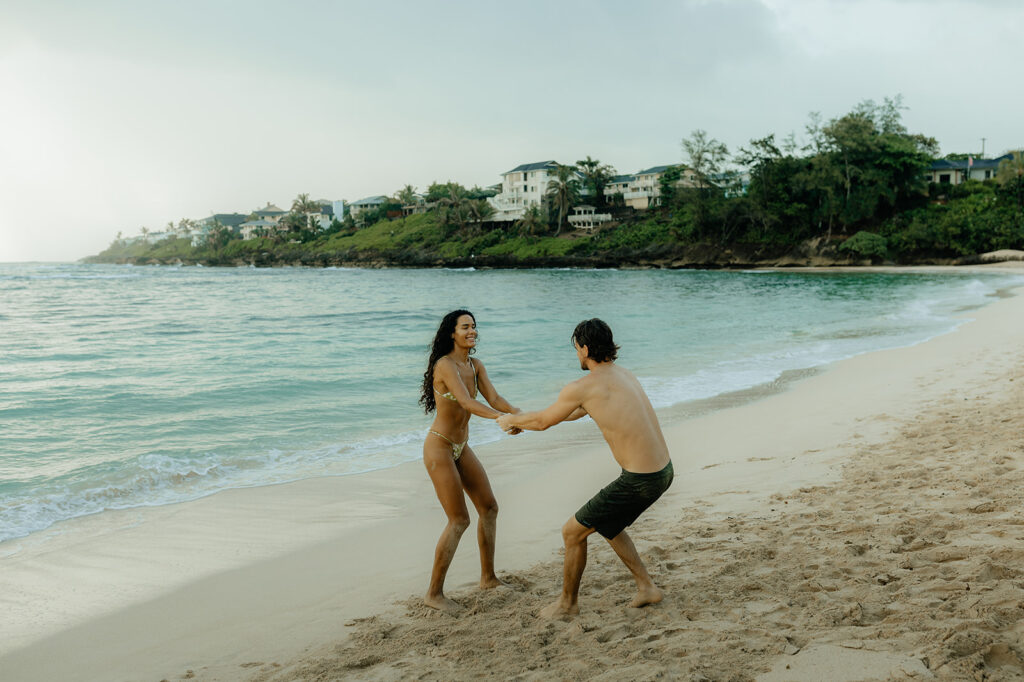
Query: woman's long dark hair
{"points": [[442, 346]]}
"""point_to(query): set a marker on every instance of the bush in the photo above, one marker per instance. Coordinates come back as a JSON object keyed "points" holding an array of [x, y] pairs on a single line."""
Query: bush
{"points": [[865, 245]]}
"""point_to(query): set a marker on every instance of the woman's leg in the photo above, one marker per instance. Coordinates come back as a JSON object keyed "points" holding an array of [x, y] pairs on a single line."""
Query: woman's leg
{"points": [[474, 480], [447, 483]]}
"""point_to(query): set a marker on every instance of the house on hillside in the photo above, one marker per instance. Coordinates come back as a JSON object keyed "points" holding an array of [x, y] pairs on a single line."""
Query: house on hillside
{"points": [[264, 221], [322, 220], [617, 185], [947, 172], [587, 218], [522, 187], [251, 229], [357, 207], [643, 189], [232, 221], [270, 212]]}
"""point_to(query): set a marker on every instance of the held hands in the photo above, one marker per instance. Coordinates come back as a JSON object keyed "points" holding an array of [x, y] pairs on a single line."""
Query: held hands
{"points": [[504, 425]]}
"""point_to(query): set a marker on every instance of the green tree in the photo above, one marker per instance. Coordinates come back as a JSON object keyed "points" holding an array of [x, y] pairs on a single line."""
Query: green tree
{"points": [[454, 209], [304, 205], [1010, 176], [442, 190], [880, 165], [480, 210], [596, 176], [186, 227], [706, 157], [668, 186], [406, 195], [563, 192], [533, 221]]}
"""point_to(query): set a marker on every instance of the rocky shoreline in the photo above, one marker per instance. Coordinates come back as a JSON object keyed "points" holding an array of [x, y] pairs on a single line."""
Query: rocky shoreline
{"points": [[691, 258]]}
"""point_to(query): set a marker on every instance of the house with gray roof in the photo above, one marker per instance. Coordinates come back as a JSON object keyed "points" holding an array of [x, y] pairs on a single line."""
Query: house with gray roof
{"points": [[950, 172], [357, 207], [522, 187], [269, 212]]}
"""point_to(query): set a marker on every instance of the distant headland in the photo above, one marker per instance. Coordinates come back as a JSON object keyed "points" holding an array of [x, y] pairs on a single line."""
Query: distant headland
{"points": [[860, 189]]}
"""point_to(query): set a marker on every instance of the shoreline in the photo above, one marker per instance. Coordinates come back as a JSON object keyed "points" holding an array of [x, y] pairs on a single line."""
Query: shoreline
{"points": [[290, 543]]}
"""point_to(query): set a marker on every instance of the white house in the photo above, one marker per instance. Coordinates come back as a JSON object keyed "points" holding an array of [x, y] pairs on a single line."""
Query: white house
{"points": [[946, 172], [587, 218], [257, 228], [522, 187], [643, 188]]}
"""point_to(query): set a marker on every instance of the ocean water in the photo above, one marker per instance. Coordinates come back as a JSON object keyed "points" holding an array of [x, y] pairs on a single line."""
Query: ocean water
{"points": [[130, 386]]}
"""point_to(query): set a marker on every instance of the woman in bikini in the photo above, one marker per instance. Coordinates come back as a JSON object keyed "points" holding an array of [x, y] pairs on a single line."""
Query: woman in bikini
{"points": [[450, 387]]}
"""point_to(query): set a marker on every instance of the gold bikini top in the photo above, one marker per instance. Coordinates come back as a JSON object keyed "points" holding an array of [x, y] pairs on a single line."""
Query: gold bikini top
{"points": [[449, 395]]}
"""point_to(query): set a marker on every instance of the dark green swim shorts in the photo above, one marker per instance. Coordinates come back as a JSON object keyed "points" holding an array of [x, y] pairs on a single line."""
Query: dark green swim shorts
{"points": [[623, 500]]}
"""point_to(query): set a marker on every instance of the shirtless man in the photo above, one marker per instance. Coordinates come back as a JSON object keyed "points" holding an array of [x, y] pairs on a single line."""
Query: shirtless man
{"points": [[613, 397]]}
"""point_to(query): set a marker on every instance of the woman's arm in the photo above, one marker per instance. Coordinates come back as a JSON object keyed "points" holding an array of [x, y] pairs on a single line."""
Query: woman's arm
{"points": [[488, 391], [446, 371]]}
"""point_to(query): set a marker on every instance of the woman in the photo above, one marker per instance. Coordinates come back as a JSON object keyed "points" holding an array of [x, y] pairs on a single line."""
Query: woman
{"points": [[450, 387]]}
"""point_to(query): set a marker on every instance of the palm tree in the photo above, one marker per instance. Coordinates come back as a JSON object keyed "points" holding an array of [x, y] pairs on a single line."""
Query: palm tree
{"points": [[564, 192], [406, 195], [480, 210], [596, 175], [306, 207], [303, 204], [454, 208], [533, 221]]}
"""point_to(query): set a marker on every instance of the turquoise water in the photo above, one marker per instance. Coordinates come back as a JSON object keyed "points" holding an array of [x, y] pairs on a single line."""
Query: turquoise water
{"points": [[126, 386]]}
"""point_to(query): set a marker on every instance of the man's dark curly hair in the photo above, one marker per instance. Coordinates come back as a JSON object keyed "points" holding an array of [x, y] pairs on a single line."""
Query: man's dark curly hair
{"points": [[596, 335]]}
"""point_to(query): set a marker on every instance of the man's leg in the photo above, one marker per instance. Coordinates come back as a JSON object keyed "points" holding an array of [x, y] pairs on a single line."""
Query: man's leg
{"points": [[646, 591], [574, 535]]}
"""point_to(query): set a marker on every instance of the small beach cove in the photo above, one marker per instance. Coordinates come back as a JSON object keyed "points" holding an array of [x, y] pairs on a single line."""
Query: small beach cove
{"points": [[350, 547]]}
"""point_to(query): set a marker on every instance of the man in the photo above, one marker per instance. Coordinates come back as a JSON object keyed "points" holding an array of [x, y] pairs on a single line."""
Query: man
{"points": [[613, 397]]}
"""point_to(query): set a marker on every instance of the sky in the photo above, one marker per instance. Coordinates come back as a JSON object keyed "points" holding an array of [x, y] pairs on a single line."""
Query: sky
{"points": [[116, 115]]}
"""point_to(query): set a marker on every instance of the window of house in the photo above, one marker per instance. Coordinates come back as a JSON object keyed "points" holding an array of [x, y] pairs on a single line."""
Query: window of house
{"points": [[988, 174], [944, 178]]}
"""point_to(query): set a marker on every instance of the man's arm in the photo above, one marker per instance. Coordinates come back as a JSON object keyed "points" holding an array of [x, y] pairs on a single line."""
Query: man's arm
{"points": [[567, 406], [578, 413]]}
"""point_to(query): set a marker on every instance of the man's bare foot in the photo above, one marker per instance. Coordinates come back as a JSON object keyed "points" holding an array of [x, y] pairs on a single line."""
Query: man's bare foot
{"points": [[647, 595], [558, 611], [492, 582], [442, 603]]}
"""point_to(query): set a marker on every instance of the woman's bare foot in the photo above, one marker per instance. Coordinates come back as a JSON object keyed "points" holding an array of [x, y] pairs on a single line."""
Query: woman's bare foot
{"points": [[558, 610], [442, 603], [492, 582], [647, 595]]}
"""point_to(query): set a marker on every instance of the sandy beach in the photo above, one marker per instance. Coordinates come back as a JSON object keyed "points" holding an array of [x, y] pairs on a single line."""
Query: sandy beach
{"points": [[862, 523]]}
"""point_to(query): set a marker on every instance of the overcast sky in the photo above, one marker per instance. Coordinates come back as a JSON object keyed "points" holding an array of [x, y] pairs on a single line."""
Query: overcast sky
{"points": [[120, 114]]}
